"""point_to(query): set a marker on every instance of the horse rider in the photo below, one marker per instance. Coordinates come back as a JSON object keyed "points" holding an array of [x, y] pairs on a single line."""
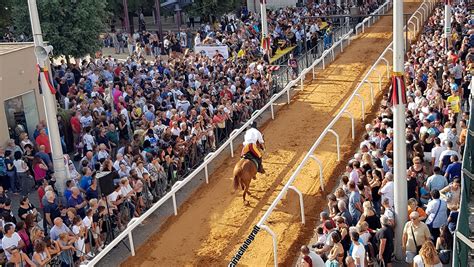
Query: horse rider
{"points": [[252, 139]]}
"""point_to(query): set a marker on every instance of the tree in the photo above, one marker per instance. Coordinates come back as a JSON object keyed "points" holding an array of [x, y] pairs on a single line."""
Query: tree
{"points": [[205, 8], [5, 17], [72, 27]]}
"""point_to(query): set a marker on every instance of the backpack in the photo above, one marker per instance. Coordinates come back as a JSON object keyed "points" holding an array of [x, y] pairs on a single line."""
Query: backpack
{"points": [[3, 167]]}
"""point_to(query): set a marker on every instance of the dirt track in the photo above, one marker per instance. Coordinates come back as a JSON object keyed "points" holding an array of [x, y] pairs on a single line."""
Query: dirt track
{"points": [[213, 223]]}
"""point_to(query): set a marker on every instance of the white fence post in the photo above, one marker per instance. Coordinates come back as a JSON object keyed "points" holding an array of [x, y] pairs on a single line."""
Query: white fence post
{"points": [[362, 105], [231, 143], [321, 178], [338, 145], [388, 67], [380, 79], [303, 221], [275, 243], [371, 91], [175, 207], [352, 123], [132, 246], [205, 168]]}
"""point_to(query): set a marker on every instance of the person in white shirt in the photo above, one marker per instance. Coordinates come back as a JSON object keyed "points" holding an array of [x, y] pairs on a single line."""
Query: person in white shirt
{"points": [[357, 257], [11, 239], [386, 191], [119, 159], [316, 260], [437, 211], [253, 142], [103, 154], [88, 141], [436, 152]]}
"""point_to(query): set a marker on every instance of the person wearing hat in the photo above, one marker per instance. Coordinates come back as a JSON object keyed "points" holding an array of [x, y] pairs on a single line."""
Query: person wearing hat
{"points": [[454, 101], [252, 139]]}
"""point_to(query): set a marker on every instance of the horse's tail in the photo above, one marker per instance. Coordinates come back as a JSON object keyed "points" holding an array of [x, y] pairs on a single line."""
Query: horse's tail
{"points": [[237, 172], [236, 181]]}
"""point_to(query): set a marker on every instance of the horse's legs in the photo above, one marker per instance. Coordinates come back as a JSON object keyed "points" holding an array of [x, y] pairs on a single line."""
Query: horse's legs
{"points": [[246, 190]]}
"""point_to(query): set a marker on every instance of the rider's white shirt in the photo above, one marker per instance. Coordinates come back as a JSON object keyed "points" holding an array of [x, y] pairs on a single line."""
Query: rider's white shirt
{"points": [[252, 136]]}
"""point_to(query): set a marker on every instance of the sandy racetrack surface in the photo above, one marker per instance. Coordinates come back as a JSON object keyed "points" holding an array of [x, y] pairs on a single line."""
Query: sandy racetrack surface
{"points": [[213, 223]]}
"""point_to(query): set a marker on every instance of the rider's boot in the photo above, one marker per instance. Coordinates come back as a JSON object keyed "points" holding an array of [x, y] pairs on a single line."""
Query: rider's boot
{"points": [[260, 166]]}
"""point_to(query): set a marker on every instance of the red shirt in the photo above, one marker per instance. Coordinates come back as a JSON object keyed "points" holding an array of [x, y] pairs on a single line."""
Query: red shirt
{"points": [[41, 194], [43, 140], [76, 124], [226, 93]]}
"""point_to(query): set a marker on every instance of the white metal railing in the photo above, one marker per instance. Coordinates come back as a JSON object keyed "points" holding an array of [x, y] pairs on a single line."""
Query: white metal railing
{"points": [[329, 128], [344, 40]]}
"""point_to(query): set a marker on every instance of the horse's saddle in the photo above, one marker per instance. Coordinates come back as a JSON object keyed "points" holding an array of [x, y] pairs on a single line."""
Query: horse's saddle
{"points": [[252, 158]]}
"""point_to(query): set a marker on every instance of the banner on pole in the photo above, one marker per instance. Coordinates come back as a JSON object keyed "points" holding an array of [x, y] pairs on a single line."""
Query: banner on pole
{"points": [[211, 50], [398, 93], [46, 75]]}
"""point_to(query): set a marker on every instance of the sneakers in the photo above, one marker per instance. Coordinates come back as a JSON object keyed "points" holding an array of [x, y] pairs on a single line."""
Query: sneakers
{"points": [[90, 255]]}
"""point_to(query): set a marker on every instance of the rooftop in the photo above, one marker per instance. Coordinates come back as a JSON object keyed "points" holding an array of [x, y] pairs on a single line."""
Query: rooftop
{"points": [[6, 48]]}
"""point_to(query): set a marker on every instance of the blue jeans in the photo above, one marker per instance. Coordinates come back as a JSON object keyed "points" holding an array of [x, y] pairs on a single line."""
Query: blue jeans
{"points": [[131, 208], [12, 177], [378, 207]]}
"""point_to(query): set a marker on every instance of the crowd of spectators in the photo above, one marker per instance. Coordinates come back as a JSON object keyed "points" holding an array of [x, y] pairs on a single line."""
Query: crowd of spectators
{"points": [[358, 227], [151, 122], [146, 123], [286, 26]]}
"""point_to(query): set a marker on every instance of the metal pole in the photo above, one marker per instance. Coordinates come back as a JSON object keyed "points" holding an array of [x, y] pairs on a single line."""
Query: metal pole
{"points": [[158, 18], [49, 100], [400, 157], [125, 16], [263, 18], [178, 18], [447, 23], [305, 42]]}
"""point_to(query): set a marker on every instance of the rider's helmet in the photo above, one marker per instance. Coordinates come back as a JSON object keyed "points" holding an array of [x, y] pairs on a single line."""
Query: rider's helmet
{"points": [[254, 125]]}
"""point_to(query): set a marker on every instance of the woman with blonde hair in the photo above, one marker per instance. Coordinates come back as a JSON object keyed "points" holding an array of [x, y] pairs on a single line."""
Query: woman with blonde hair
{"points": [[369, 216], [367, 160], [24, 140], [428, 256]]}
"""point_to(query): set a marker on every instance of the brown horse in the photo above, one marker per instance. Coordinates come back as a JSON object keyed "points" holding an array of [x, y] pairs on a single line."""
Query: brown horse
{"points": [[244, 171]]}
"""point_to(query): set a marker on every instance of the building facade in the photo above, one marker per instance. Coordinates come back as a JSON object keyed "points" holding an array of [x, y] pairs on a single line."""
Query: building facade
{"points": [[21, 104]]}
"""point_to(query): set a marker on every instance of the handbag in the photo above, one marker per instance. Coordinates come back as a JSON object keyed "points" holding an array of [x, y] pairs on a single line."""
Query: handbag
{"points": [[444, 256], [436, 214], [378, 263], [414, 240]]}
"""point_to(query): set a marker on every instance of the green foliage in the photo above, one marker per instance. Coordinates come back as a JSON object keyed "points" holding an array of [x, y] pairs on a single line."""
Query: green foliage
{"points": [[205, 8], [5, 16], [134, 6], [72, 27]]}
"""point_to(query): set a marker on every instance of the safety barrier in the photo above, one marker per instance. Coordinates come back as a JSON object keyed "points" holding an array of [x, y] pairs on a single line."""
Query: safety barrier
{"points": [[426, 7], [463, 244], [331, 52]]}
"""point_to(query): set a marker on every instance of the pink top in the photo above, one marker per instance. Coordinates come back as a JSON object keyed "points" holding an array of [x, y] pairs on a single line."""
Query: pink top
{"points": [[24, 236], [39, 172]]}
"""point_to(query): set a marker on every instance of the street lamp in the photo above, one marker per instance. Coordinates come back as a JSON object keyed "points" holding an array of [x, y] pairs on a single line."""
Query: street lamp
{"points": [[42, 58]]}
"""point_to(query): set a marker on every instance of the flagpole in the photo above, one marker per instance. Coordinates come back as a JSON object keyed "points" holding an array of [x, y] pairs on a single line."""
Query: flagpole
{"points": [[447, 23], [49, 100], [263, 17], [399, 147]]}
